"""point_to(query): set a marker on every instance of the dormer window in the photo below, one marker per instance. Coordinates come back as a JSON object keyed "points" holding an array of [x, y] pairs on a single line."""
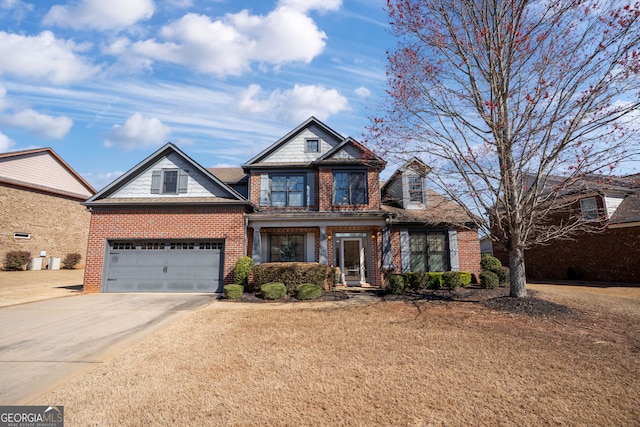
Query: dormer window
{"points": [[415, 189], [312, 146], [589, 209]]}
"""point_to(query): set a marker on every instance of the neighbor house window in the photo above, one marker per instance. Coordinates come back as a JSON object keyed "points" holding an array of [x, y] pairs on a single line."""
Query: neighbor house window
{"points": [[21, 235], [312, 146], [286, 248], [429, 252], [349, 188], [589, 208], [415, 189], [287, 190]]}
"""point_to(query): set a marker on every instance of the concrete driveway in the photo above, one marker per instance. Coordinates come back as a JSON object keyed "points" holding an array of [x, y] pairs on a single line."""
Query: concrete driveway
{"points": [[45, 343]]}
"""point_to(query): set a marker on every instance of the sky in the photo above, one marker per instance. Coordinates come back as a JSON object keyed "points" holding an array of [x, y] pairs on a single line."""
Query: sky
{"points": [[106, 83]]}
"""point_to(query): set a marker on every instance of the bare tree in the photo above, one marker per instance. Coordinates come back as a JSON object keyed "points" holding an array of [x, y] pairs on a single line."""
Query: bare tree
{"points": [[512, 102]]}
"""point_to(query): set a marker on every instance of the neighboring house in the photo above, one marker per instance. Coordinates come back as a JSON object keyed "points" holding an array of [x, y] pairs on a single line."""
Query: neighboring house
{"points": [[40, 209], [611, 254], [312, 196]]}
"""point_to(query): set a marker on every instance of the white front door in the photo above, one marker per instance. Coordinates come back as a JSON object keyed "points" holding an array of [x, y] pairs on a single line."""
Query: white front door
{"points": [[353, 261]]}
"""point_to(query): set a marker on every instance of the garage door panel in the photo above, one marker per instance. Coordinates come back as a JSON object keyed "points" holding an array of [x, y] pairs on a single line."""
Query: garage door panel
{"points": [[168, 267]]}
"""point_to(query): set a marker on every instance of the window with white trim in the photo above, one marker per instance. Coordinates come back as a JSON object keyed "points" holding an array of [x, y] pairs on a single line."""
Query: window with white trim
{"points": [[415, 189]]}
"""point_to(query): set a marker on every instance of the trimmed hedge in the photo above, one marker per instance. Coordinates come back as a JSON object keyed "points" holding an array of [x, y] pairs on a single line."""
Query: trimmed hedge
{"points": [[16, 260], [503, 274], [489, 280], [242, 270], [451, 280], [490, 263], [396, 283], [291, 274], [308, 291], [232, 291], [273, 290]]}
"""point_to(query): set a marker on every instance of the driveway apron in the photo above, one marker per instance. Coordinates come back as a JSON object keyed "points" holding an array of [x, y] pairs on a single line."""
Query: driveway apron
{"points": [[45, 343]]}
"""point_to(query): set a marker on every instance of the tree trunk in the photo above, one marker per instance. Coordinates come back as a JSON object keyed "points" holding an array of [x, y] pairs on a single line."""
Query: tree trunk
{"points": [[517, 275]]}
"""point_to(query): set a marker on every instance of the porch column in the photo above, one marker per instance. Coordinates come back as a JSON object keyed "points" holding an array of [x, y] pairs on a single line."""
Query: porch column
{"points": [[256, 255], [323, 257], [387, 256]]}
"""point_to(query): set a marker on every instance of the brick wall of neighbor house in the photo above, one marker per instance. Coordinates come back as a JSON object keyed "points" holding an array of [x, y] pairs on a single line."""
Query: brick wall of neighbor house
{"points": [[468, 251], [167, 223], [610, 256], [57, 225]]}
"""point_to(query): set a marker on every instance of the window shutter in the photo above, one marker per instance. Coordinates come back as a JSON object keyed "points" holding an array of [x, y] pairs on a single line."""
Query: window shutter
{"points": [[453, 250], [310, 189], [405, 190], [265, 190], [405, 251], [183, 181], [155, 181]]}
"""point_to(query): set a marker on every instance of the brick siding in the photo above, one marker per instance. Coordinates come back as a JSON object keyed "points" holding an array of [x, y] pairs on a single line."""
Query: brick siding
{"points": [[57, 225], [165, 224]]}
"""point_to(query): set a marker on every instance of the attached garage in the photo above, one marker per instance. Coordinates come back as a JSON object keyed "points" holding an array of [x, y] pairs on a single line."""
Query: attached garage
{"points": [[164, 266]]}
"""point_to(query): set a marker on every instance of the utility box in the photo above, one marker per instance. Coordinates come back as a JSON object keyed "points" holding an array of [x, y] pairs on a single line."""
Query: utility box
{"points": [[54, 264], [35, 264]]}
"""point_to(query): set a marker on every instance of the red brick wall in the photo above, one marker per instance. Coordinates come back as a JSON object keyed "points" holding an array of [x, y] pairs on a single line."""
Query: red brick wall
{"points": [[162, 223], [610, 256], [325, 185]]}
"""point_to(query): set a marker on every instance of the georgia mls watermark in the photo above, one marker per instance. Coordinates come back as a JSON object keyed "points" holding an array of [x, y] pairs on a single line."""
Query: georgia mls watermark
{"points": [[31, 416]]}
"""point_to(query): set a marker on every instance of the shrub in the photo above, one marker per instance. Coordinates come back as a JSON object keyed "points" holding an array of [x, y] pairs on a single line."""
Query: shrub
{"points": [[308, 291], [489, 280], [242, 270], [435, 280], [452, 280], [232, 291], [291, 274], [417, 281], [490, 263], [16, 260], [503, 276], [273, 290], [396, 283], [336, 275], [466, 277], [70, 261]]}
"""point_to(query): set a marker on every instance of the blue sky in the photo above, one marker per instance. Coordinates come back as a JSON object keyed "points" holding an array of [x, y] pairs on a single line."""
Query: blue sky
{"points": [[105, 83]]}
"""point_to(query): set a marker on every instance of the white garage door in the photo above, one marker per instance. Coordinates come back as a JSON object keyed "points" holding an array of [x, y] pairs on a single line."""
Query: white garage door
{"points": [[164, 266]]}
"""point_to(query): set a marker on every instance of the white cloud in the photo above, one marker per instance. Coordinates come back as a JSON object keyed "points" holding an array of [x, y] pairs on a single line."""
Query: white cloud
{"points": [[138, 132], [5, 143], [100, 15], [39, 124], [362, 92], [43, 57], [228, 46], [295, 104], [306, 5]]}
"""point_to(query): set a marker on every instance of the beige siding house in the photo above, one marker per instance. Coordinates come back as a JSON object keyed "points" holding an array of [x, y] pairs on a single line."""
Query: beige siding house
{"points": [[40, 209]]}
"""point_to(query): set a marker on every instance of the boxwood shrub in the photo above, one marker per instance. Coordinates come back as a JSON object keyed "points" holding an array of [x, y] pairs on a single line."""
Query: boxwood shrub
{"points": [[503, 274], [396, 283], [451, 280], [489, 280], [490, 263], [232, 291], [273, 290], [242, 270], [308, 291], [435, 280], [291, 274]]}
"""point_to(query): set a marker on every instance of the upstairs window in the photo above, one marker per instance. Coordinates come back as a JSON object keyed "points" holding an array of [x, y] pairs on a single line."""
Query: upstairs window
{"points": [[287, 190], [415, 189], [589, 208], [169, 181], [349, 188], [312, 146]]}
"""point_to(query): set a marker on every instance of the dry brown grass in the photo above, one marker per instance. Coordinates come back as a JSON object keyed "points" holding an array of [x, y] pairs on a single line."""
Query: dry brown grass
{"points": [[390, 363], [19, 287]]}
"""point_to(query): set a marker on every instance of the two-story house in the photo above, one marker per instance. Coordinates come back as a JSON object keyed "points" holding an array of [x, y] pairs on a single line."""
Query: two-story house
{"points": [[313, 196]]}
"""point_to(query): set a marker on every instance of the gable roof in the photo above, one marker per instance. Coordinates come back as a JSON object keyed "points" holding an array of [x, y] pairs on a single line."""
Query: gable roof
{"points": [[101, 198], [440, 212], [414, 163], [289, 136], [43, 170], [366, 156]]}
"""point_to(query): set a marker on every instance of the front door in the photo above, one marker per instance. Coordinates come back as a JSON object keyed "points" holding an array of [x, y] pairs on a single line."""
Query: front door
{"points": [[353, 261]]}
